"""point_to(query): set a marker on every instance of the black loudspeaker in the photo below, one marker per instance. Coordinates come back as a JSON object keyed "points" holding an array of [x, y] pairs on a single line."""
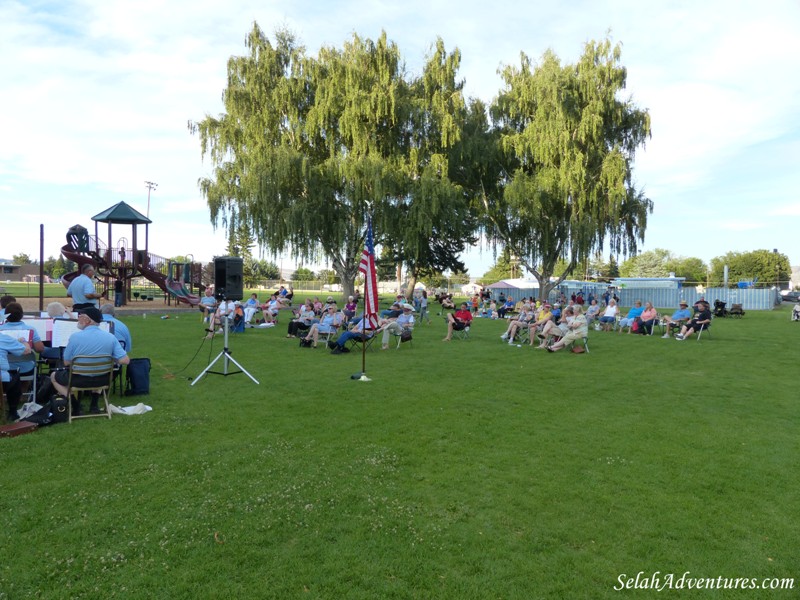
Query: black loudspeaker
{"points": [[228, 278]]}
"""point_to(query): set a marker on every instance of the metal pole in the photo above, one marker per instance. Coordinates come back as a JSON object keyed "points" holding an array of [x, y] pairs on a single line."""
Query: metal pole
{"points": [[41, 267], [151, 185]]}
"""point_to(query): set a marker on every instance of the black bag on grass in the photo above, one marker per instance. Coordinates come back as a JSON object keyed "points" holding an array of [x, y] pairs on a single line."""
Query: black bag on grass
{"points": [[137, 377]]}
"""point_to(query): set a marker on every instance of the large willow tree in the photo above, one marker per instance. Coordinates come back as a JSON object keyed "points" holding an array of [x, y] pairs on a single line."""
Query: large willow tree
{"points": [[308, 145], [568, 140]]}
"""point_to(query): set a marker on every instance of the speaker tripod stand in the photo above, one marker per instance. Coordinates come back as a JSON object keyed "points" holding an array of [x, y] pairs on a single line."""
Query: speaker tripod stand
{"points": [[226, 357]]}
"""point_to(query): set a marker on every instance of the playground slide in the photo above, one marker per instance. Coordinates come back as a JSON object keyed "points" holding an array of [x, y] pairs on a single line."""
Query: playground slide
{"points": [[178, 289], [170, 286], [79, 259]]}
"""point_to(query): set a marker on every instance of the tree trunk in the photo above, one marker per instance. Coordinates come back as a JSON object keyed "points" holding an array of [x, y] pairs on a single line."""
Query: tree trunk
{"points": [[399, 271], [412, 282]]}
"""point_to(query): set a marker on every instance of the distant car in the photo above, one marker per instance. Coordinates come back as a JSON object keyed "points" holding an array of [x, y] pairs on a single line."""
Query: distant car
{"points": [[790, 296]]}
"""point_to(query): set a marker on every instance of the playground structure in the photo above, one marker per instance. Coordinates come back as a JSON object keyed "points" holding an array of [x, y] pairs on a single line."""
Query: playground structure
{"points": [[125, 260]]}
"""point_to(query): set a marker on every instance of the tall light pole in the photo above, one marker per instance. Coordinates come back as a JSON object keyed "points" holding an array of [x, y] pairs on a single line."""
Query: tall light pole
{"points": [[777, 274], [151, 185]]}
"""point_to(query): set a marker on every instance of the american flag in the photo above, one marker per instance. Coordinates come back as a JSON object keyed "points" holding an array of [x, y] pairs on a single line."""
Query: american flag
{"points": [[367, 267]]}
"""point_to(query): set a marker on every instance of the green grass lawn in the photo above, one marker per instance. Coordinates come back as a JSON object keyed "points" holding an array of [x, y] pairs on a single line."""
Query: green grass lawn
{"points": [[467, 469]]}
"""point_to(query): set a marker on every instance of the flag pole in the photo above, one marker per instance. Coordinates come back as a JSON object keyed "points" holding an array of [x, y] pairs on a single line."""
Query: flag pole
{"points": [[370, 317]]}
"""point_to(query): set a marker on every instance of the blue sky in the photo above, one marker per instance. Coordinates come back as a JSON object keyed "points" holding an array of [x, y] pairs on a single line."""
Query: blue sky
{"points": [[95, 96]]}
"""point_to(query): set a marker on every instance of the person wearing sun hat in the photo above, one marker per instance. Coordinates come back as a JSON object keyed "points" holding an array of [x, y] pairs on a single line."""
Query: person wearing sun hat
{"points": [[404, 322], [680, 316], [89, 341]]}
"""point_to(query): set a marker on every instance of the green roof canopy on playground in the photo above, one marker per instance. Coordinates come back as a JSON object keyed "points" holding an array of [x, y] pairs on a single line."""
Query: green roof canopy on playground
{"points": [[123, 214]]}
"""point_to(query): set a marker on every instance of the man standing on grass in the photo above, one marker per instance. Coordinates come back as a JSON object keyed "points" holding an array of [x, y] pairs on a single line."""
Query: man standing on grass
{"points": [[82, 291]]}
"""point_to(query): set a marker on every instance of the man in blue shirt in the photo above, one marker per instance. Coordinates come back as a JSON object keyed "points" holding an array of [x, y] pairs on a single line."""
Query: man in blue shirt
{"points": [[82, 291], [678, 318], [89, 341], [10, 380], [356, 331], [507, 306], [121, 331]]}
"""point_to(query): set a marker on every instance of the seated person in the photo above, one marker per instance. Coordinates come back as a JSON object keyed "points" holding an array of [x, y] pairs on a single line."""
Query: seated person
{"points": [[678, 318], [593, 312], [271, 308], [318, 306], [522, 321], [303, 321], [56, 310], [208, 304], [251, 308], [648, 319], [556, 311], [328, 302], [237, 322], [544, 317], [289, 295], [458, 321], [327, 325], [121, 331], [796, 312], [701, 319], [405, 322], [553, 330], [507, 306], [392, 312], [9, 379], [491, 311], [576, 330], [447, 301], [635, 312], [356, 331], [224, 312], [24, 365], [350, 308], [89, 341], [4, 302], [609, 318]]}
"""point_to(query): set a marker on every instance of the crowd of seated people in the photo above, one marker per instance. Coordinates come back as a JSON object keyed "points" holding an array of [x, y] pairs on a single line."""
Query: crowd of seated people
{"points": [[550, 326]]}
